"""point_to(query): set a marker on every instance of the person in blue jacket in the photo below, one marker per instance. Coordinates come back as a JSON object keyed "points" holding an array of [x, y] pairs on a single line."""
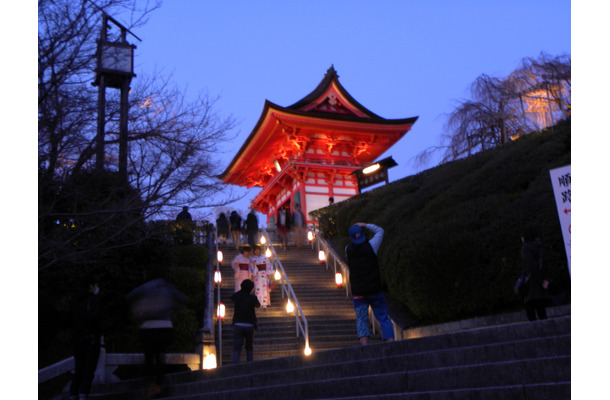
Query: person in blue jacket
{"points": [[365, 281]]}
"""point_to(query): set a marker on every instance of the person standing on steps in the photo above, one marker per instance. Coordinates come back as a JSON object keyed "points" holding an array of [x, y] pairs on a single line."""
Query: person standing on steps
{"points": [[264, 270], [283, 226], [235, 225], [298, 226], [252, 228], [534, 275], [244, 320], [365, 280], [222, 228], [242, 267]]}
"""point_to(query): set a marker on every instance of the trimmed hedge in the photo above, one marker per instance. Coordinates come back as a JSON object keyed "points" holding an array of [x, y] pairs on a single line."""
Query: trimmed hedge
{"points": [[453, 233]]}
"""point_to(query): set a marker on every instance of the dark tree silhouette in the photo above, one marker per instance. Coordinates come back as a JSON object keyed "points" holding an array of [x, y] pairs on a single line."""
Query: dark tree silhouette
{"points": [[172, 140], [536, 95]]}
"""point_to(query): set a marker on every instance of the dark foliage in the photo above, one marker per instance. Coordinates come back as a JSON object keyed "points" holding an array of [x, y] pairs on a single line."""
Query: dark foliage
{"points": [[452, 233], [119, 272]]}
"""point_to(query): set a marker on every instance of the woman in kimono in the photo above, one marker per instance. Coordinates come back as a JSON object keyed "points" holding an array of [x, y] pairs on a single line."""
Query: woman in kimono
{"points": [[243, 267], [263, 270]]}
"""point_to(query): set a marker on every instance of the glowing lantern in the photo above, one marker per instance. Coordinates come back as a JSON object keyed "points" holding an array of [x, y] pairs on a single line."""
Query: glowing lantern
{"points": [[220, 312], [321, 256], [371, 169], [310, 236], [268, 252], [277, 275], [209, 361], [307, 350], [217, 277], [339, 279], [289, 307], [263, 240], [219, 257]]}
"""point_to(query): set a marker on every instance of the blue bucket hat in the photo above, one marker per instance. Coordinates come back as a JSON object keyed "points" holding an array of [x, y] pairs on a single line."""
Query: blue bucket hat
{"points": [[356, 235]]}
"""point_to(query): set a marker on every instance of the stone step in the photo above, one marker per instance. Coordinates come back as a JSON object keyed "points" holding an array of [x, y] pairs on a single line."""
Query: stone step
{"points": [[317, 383], [490, 362]]}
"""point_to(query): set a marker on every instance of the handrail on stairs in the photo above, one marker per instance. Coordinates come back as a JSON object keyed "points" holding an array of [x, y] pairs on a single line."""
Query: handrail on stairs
{"points": [[287, 291]]}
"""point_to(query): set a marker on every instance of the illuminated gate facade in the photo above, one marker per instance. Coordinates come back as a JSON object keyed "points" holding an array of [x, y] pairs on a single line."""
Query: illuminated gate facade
{"points": [[304, 154]]}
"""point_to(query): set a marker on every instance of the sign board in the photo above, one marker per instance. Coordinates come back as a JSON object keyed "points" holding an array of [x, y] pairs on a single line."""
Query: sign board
{"points": [[561, 179], [366, 180]]}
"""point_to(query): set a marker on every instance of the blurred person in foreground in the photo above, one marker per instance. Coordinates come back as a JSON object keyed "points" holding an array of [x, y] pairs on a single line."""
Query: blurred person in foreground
{"points": [[87, 337], [153, 303], [244, 320], [365, 280]]}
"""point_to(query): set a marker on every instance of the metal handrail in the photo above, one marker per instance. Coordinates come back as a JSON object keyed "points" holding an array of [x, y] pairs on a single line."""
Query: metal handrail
{"points": [[301, 320], [328, 250]]}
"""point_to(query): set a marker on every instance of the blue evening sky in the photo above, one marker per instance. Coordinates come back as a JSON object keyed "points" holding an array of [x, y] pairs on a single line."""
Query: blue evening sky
{"points": [[397, 58]]}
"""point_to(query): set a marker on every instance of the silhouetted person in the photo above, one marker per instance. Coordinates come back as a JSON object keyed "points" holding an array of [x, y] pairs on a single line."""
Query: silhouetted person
{"points": [[184, 215], [153, 303], [244, 320], [252, 228], [235, 224], [298, 226], [283, 225], [534, 275], [87, 335], [222, 227], [331, 201], [184, 231]]}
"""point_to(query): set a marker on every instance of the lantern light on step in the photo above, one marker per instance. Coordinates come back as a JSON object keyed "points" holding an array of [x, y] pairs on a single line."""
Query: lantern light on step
{"points": [[289, 307], [209, 360], [219, 257], [339, 279], [277, 275], [263, 240], [321, 256], [307, 350], [310, 236], [268, 252], [220, 312], [217, 277]]}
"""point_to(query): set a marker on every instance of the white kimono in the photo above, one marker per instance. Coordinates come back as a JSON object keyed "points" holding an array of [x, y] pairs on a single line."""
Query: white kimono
{"points": [[263, 272], [243, 268]]}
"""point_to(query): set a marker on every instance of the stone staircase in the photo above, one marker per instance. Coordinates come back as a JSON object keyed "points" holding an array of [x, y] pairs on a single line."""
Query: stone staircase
{"points": [[330, 314], [503, 358], [520, 360]]}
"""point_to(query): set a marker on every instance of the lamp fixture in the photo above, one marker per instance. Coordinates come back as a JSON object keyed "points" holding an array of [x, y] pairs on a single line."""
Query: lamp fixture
{"points": [[371, 168]]}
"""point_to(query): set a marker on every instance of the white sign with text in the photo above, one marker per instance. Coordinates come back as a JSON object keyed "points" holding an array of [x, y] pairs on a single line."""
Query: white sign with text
{"points": [[561, 179]]}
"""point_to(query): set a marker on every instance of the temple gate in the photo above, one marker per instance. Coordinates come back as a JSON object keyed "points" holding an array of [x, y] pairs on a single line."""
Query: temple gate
{"points": [[305, 154]]}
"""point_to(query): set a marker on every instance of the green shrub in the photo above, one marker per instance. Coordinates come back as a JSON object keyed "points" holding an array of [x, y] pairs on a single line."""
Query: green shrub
{"points": [[452, 243]]}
